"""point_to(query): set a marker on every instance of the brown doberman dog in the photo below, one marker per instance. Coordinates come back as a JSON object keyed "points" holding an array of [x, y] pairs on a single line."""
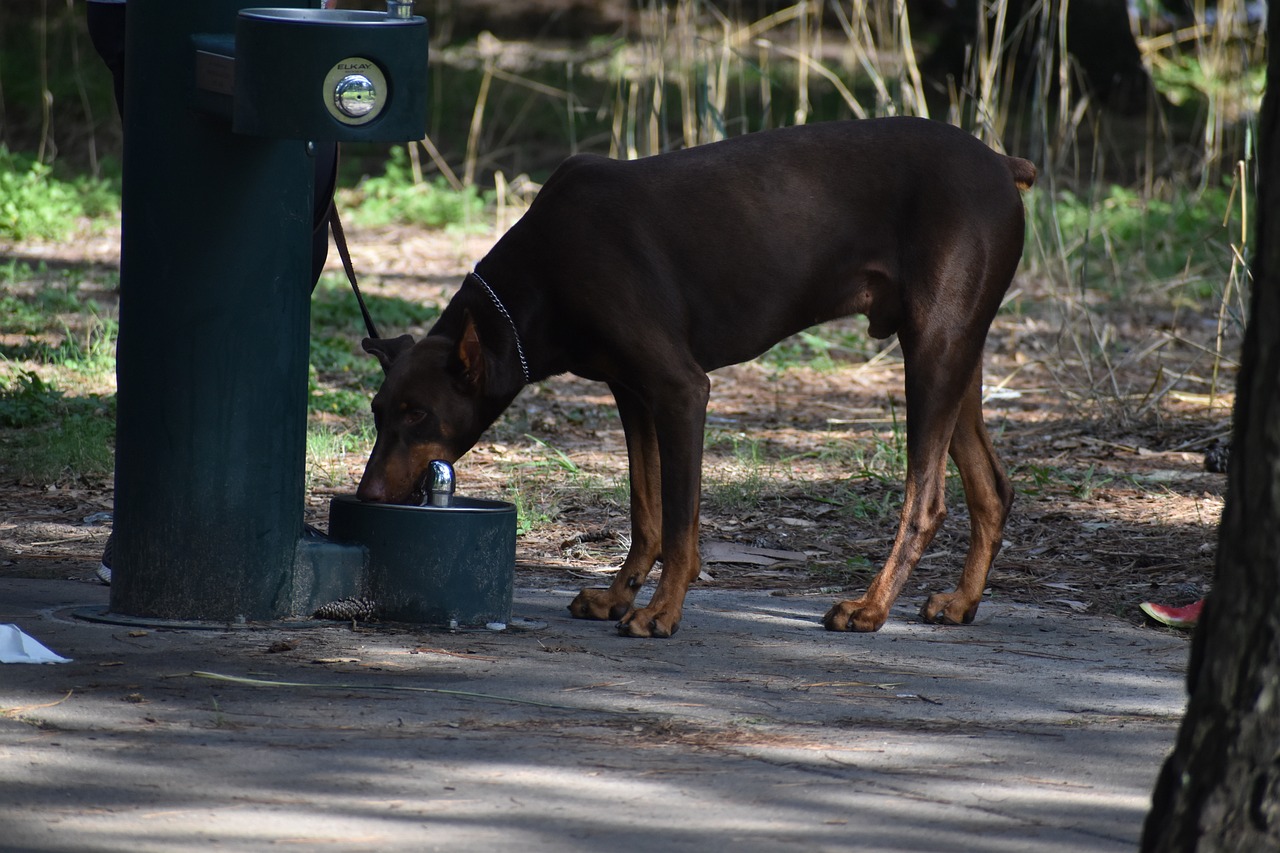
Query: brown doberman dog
{"points": [[647, 274]]}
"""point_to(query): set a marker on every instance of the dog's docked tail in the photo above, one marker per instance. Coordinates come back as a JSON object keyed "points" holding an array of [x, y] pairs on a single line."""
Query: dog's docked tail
{"points": [[1023, 171]]}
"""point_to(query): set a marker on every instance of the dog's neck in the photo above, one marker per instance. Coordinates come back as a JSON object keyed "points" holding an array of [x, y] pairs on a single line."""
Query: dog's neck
{"points": [[502, 309]]}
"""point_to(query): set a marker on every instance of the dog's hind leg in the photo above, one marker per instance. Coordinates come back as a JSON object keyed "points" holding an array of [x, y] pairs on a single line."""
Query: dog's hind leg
{"points": [[614, 601], [940, 359], [989, 496]]}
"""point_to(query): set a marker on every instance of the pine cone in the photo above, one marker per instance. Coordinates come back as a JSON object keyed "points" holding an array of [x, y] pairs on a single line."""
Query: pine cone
{"points": [[1216, 458], [348, 609]]}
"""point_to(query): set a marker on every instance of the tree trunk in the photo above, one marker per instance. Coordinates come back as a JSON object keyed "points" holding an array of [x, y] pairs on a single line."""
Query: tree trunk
{"points": [[1220, 789]]}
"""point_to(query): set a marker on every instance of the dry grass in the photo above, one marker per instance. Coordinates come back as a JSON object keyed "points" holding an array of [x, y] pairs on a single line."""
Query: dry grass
{"points": [[687, 74]]}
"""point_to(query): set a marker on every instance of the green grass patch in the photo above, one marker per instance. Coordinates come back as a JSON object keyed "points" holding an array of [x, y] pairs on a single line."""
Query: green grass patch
{"points": [[1185, 79], [84, 355], [58, 340], [343, 377], [745, 481], [28, 402], [531, 513], [36, 203], [394, 197], [553, 458], [55, 325], [542, 475], [822, 348], [55, 293], [334, 310], [51, 437], [1051, 480], [90, 352], [328, 445], [852, 571], [1118, 237]]}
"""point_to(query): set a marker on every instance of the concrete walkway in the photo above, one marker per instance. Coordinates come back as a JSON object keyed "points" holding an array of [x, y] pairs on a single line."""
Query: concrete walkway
{"points": [[752, 730]]}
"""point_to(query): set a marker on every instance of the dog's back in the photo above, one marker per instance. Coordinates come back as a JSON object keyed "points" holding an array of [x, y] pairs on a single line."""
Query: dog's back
{"points": [[819, 248]]}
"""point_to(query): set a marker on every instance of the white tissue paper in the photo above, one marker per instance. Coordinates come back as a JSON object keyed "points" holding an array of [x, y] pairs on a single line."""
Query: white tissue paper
{"points": [[17, 647]]}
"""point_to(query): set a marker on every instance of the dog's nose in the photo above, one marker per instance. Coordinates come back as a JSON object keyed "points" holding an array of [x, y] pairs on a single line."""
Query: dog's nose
{"points": [[372, 490]]}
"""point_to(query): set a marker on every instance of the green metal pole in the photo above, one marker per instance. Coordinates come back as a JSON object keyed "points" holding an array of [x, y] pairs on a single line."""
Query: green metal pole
{"points": [[213, 345]]}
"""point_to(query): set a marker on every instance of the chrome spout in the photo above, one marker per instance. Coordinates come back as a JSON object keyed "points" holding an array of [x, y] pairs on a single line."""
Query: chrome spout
{"points": [[441, 484]]}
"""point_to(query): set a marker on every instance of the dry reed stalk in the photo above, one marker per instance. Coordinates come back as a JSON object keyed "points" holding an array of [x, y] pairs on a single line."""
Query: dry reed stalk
{"points": [[766, 87], [477, 123], [686, 59], [860, 46], [633, 99], [1064, 73], [748, 34], [619, 121], [802, 78], [805, 61], [916, 105], [710, 77], [415, 164], [656, 105], [500, 191], [990, 116], [1236, 278]]}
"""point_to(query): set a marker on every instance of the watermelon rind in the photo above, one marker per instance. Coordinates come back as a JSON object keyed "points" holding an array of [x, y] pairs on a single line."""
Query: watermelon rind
{"points": [[1175, 617]]}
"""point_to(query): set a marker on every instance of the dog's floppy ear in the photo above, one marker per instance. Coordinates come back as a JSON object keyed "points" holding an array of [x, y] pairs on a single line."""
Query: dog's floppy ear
{"points": [[387, 350], [470, 354]]}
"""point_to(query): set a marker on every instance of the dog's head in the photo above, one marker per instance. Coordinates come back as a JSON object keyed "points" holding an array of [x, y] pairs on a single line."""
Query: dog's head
{"points": [[431, 406]]}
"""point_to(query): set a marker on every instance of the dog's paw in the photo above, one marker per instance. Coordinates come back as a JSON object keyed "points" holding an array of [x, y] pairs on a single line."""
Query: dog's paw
{"points": [[598, 603], [948, 608], [647, 622], [856, 615]]}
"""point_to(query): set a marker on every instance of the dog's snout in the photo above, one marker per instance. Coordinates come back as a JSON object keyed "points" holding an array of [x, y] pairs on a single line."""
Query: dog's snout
{"points": [[372, 489]]}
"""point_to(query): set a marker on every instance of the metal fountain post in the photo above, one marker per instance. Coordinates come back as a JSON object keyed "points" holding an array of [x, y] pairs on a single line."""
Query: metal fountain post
{"points": [[223, 107]]}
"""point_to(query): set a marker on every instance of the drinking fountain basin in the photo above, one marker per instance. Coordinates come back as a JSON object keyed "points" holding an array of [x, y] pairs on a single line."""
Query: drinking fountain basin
{"points": [[443, 566]]}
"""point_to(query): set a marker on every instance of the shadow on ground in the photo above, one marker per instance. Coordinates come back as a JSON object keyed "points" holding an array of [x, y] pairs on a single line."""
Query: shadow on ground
{"points": [[752, 729]]}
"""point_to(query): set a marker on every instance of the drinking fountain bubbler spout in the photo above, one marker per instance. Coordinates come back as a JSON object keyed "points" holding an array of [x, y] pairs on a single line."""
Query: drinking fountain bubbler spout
{"points": [[441, 483]]}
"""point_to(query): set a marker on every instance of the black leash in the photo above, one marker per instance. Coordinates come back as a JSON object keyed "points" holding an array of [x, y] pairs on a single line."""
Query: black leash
{"points": [[340, 240]]}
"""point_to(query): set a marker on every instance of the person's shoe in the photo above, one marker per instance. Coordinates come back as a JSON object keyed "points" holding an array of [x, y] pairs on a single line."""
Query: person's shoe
{"points": [[104, 569]]}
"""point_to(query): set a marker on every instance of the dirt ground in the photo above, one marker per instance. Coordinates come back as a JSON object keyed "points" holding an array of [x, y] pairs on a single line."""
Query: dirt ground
{"points": [[1114, 505]]}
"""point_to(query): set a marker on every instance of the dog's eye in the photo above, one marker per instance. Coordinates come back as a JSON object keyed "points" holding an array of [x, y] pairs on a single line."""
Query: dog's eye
{"points": [[414, 417]]}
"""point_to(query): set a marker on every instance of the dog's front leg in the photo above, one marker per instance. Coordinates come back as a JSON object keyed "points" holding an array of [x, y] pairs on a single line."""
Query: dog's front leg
{"points": [[614, 601], [679, 411]]}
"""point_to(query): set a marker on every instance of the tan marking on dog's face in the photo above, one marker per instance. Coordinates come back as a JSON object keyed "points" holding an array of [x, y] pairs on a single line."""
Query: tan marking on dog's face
{"points": [[395, 476], [421, 414]]}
